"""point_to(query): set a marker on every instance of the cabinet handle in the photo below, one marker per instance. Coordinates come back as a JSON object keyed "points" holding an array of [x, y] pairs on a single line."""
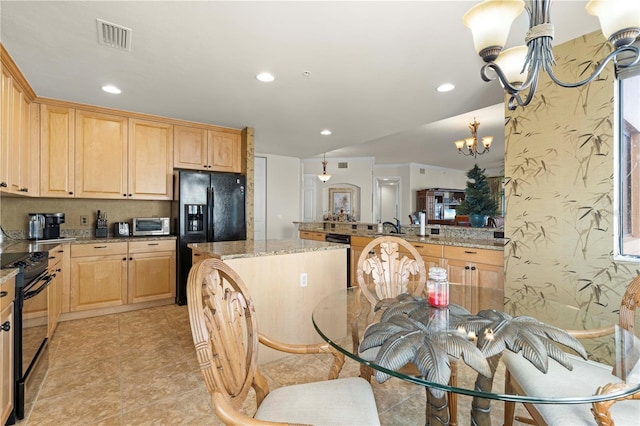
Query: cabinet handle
{"points": [[124, 259], [3, 293], [470, 252], [58, 270], [418, 246], [131, 258], [99, 246], [196, 254], [466, 267], [124, 195], [3, 184], [473, 268], [6, 326], [153, 244], [23, 189], [129, 195], [70, 192]]}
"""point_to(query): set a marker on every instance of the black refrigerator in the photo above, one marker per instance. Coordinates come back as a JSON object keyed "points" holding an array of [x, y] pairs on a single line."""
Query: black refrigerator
{"points": [[209, 207]]}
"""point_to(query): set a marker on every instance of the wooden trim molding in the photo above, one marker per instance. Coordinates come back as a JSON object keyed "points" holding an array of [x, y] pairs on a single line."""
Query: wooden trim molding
{"points": [[17, 75]]}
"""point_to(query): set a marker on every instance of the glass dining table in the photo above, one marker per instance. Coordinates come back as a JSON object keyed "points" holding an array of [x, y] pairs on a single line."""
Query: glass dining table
{"points": [[447, 322]]}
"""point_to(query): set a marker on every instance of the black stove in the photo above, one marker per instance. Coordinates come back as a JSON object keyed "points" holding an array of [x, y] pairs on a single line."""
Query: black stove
{"points": [[30, 325], [32, 264]]}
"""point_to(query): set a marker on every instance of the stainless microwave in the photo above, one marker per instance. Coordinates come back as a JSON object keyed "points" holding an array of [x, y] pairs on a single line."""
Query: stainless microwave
{"points": [[151, 226]]}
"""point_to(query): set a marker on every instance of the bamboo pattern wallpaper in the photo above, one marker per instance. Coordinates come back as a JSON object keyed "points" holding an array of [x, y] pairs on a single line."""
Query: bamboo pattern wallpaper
{"points": [[559, 196]]}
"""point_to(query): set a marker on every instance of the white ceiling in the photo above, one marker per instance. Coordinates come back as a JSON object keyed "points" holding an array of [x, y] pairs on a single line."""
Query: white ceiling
{"points": [[374, 67]]}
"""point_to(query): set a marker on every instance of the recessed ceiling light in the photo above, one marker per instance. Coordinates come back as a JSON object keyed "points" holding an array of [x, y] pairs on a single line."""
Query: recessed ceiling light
{"points": [[265, 77], [325, 132], [111, 89], [446, 87]]}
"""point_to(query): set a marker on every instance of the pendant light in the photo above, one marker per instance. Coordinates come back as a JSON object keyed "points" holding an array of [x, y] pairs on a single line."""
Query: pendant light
{"points": [[324, 176]]}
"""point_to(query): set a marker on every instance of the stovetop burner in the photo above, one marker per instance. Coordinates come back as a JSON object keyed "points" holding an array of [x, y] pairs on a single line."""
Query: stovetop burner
{"points": [[32, 264]]}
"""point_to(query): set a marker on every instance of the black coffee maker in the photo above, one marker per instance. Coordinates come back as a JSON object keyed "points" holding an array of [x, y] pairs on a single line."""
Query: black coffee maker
{"points": [[52, 223]]}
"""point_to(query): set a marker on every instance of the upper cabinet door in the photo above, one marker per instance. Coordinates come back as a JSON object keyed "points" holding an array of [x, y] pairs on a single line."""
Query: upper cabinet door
{"points": [[224, 151], [190, 151], [57, 130], [101, 155], [150, 160]]}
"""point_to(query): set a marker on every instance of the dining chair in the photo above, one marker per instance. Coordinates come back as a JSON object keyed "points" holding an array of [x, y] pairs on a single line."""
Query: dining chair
{"points": [[384, 272], [522, 378], [226, 338]]}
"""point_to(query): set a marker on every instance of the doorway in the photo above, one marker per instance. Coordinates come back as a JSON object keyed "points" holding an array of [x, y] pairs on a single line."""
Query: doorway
{"points": [[387, 199]]}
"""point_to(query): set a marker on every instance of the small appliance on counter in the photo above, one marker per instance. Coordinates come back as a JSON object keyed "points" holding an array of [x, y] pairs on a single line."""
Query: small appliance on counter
{"points": [[36, 226], [45, 226], [121, 229], [101, 225], [144, 226]]}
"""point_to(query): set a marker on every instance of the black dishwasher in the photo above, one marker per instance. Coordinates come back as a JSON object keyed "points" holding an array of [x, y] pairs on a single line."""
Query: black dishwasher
{"points": [[342, 239]]}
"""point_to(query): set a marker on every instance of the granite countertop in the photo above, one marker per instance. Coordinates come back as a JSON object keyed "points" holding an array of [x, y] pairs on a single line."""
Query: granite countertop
{"points": [[240, 249], [481, 238], [6, 274], [13, 246]]}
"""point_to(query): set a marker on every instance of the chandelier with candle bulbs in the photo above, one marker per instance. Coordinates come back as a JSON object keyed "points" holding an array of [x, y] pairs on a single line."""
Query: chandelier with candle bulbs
{"points": [[324, 176], [472, 143], [518, 68]]}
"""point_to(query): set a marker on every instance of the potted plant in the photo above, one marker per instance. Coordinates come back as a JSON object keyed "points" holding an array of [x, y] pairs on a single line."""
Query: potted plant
{"points": [[478, 202]]}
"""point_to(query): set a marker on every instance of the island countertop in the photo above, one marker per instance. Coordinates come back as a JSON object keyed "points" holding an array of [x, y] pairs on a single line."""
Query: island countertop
{"points": [[255, 248]]}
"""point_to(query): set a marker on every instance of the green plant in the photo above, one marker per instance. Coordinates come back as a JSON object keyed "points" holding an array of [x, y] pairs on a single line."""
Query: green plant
{"points": [[477, 195]]}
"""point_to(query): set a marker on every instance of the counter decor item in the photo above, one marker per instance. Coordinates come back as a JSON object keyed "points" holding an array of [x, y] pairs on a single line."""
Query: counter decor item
{"points": [[101, 225], [478, 202]]}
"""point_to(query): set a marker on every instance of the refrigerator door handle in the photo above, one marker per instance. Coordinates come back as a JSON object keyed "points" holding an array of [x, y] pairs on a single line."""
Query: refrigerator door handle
{"points": [[210, 214]]}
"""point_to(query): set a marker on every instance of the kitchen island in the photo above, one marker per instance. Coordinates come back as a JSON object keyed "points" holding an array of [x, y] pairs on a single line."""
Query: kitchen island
{"points": [[285, 279]]}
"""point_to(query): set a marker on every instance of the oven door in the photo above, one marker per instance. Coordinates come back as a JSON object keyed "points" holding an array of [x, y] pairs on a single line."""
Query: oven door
{"points": [[35, 320]]}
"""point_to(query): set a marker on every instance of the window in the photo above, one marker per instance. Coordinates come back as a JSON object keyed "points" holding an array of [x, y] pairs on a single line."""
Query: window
{"points": [[629, 165]]}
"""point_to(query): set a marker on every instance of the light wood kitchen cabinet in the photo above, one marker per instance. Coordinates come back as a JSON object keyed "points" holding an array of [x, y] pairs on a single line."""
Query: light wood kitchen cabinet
{"points": [[115, 274], [7, 294], [357, 245], [5, 107], [150, 160], [312, 235], [431, 254], [57, 148], [152, 270], [475, 269], [100, 155], [212, 150], [56, 271], [98, 275], [16, 140]]}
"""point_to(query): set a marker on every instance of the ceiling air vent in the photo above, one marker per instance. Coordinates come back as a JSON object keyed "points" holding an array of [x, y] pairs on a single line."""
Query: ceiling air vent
{"points": [[113, 35], [422, 170], [343, 165]]}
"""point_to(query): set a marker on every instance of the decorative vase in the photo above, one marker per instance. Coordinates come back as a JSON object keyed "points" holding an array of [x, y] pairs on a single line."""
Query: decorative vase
{"points": [[477, 220]]}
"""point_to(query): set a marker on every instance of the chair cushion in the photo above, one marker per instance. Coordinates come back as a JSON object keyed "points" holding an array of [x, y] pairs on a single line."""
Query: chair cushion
{"points": [[347, 401], [584, 379]]}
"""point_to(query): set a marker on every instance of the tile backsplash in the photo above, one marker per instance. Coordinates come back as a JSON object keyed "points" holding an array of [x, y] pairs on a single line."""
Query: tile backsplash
{"points": [[14, 211]]}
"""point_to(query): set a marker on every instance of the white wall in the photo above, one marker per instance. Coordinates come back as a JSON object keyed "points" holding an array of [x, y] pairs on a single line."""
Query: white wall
{"points": [[361, 172], [358, 173], [283, 196]]}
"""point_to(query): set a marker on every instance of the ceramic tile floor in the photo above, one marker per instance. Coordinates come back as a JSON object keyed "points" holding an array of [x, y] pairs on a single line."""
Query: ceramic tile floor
{"points": [[139, 368]]}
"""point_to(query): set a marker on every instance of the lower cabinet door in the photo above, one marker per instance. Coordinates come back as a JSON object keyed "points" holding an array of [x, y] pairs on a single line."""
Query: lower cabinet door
{"points": [[98, 282], [152, 276]]}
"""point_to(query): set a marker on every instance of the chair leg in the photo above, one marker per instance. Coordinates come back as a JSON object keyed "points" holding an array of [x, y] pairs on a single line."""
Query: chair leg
{"points": [[453, 397], [366, 372], [509, 406]]}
